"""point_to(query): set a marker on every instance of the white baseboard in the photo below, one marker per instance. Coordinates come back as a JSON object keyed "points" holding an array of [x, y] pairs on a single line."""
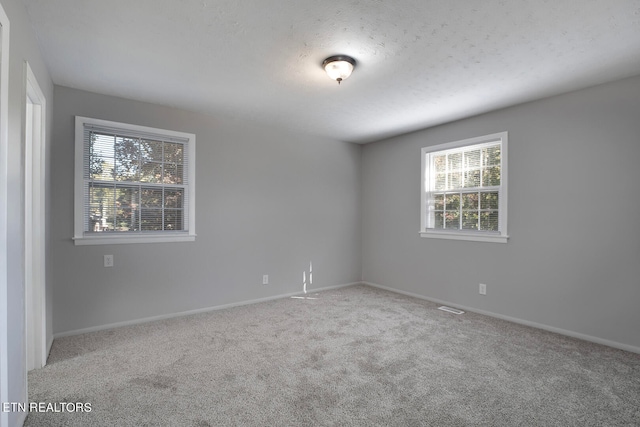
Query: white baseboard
{"points": [[190, 312], [572, 334]]}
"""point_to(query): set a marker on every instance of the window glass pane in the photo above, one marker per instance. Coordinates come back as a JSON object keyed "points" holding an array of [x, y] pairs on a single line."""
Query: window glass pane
{"points": [[180, 177], [173, 219], [452, 214], [151, 150], [491, 176], [439, 220], [489, 221], [470, 220], [101, 208], [172, 173], [151, 172], [173, 197], [440, 163], [452, 202], [455, 180], [454, 161], [101, 168], [472, 178], [127, 197], [438, 202], [109, 221], [101, 163], [151, 219], [127, 219], [472, 159], [491, 156], [127, 204], [151, 197], [173, 152], [127, 159], [489, 200], [470, 201], [452, 220], [441, 182]]}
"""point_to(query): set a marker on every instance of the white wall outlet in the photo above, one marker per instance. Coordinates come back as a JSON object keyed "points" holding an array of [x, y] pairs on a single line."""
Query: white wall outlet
{"points": [[482, 289], [265, 279], [108, 260]]}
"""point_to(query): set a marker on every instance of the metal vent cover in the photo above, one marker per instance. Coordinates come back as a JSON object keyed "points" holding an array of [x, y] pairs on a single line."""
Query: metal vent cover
{"points": [[450, 310]]}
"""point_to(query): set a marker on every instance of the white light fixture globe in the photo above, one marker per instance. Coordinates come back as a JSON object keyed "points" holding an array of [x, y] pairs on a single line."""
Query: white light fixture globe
{"points": [[339, 67]]}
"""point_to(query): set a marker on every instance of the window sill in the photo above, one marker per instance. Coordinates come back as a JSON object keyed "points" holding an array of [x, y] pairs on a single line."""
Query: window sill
{"points": [[120, 239], [475, 237]]}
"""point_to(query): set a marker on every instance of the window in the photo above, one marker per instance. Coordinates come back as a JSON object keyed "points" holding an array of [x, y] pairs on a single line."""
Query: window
{"points": [[133, 184], [464, 189]]}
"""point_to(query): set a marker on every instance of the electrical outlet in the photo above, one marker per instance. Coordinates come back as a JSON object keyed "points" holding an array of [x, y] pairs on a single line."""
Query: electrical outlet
{"points": [[108, 260], [483, 289], [265, 279]]}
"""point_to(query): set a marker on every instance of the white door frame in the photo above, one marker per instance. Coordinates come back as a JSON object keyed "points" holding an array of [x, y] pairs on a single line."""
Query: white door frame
{"points": [[4, 148], [34, 238]]}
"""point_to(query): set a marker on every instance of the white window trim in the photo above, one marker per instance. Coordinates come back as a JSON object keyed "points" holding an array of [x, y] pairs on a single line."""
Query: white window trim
{"points": [[477, 236], [80, 238]]}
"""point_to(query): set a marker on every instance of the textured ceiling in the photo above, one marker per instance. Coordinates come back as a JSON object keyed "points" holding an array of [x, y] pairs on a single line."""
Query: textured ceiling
{"points": [[420, 62]]}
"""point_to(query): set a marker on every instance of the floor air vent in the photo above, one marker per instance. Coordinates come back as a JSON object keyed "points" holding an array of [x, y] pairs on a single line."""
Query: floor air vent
{"points": [[451, 310]]}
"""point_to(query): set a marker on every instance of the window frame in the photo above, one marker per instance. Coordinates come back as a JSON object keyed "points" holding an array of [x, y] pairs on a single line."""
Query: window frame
{"points": [[81, 237], [501, 236]]}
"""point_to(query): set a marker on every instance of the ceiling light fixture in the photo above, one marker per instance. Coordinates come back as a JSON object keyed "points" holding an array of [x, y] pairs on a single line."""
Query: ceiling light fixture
{"points": [[339, 67]]}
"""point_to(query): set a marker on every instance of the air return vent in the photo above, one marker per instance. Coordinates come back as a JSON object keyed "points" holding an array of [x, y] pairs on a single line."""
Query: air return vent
{"points": [[450, 310]]}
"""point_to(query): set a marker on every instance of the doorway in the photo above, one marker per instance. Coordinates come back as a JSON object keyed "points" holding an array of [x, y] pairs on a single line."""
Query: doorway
{"points": [[4, 147], [34, 239]]}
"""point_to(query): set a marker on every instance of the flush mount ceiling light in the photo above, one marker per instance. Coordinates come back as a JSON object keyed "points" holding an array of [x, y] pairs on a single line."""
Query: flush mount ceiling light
{"points": [[339, 67]]}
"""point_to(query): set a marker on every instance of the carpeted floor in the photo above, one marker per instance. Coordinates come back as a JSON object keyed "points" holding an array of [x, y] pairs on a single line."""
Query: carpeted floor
{"points": [[356, 356]]}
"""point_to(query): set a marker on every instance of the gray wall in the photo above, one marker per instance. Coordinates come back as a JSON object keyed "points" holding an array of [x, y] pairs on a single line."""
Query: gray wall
{"points": [[573, 259], [23, 47], [268, 202]]}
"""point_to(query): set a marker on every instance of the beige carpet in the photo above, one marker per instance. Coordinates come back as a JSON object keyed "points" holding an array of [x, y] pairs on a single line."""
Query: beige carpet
{"points": [[356, 356]]}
